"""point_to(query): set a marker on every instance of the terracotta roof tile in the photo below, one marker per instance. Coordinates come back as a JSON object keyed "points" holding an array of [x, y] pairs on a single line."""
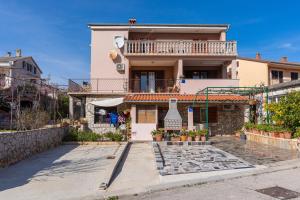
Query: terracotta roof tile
{"points": [[181, 97]]}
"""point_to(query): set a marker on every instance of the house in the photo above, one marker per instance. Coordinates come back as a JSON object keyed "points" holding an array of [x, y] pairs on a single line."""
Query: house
{"points": [[13, 69], [142, 68], [267, 72], [16, 71]]}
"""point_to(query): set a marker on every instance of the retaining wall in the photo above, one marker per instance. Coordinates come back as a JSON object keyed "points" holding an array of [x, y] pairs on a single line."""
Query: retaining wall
{"points": [[277, 142], [16, 146]]}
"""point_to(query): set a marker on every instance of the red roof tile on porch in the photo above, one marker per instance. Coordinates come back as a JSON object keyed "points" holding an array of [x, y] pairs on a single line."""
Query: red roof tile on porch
{"points": [[182, 98]]}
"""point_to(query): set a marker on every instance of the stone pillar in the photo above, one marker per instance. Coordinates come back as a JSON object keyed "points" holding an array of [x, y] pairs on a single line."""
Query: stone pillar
{"points": [[190, 118], [234, 69], [224, 71], [179, 69], [82, 107], [246, 113], [71, 107], [223, 36], [133, 114]]}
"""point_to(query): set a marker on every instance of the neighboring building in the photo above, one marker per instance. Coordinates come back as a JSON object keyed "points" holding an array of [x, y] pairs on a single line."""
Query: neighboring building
{"points": [[16, 69], [257, 71], [140, 67]]}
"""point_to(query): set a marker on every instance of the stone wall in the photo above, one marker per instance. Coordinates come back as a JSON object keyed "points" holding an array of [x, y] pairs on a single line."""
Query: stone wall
{"points": [[16, 146], [282, 143], [229, 121]]}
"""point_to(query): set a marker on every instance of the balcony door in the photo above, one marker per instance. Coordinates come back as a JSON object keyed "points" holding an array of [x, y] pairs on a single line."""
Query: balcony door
{"points": [[146, 81]]}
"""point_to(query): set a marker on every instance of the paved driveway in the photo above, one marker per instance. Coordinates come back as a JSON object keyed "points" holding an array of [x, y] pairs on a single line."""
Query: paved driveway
{"points": [[66, 172]]}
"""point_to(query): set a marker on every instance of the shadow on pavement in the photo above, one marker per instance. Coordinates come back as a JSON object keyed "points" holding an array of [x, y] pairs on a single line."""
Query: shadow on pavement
{"points": [[121, 164], [22, 172]]}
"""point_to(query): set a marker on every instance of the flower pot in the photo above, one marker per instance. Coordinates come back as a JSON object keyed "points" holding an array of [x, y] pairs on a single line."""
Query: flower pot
{"points": [[203, 138], [175, 139], [276, 134], [271, 134], [189, 138], [281, 134], [183, 138], [255, 131], [158, 137], [287, 135], [197, 138]]}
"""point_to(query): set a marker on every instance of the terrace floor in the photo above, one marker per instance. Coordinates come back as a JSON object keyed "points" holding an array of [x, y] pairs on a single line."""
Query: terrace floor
{"points": [[252, 152]]}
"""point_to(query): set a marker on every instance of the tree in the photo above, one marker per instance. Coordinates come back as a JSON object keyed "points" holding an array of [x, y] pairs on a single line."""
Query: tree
{"points": [[287, 111]]}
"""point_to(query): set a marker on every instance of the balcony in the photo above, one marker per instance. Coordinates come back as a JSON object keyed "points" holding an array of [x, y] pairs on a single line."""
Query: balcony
{"points": [[179, 48], [123, 86], [192, 86]]}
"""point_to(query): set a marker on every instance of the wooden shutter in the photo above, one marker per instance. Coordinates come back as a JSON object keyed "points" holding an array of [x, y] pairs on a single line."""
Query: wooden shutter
{"points": [[146, 114]]}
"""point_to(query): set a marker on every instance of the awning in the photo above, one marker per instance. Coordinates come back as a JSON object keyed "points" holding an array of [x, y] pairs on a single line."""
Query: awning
{"points": [[108, 102]]}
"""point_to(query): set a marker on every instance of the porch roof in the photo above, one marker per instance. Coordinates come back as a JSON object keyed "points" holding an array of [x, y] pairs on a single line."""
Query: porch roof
{"points": [[188, 98]]}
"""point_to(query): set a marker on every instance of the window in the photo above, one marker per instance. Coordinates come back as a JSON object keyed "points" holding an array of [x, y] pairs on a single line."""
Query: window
{"points": [[102, 114], [199, 115], [28, 66], [277, 76], [23, 64], [146, 114], [34, 70], [294, 76]]}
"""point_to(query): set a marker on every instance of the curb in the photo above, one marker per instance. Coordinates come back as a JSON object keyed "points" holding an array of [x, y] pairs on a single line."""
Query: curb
{"points": [[93, 143], [114, 165], [292, 164]]}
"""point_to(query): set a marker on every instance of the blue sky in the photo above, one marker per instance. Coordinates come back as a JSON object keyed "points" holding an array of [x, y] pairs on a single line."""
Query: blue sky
{"points": [[55, 33]]}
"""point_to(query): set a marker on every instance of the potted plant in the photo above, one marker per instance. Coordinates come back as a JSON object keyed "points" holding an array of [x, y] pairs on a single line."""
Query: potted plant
{"points": [[197, 135], [203, 135], [157, 135], [191, 135], [183, 135], [175, 137]]}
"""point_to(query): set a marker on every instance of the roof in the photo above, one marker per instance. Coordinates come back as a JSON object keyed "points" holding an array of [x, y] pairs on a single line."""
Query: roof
{"points": [[290, 84], [12, 58], [160, 25], [270, 61], [183, 98], [214, 28]]}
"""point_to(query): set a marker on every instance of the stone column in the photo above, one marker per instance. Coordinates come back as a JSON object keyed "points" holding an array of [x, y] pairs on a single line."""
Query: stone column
{"points": [[133, 114], [246, 113], [190, 118], [223, 36], [234, 69], [82, 107], [179, 69], [71, 107]]}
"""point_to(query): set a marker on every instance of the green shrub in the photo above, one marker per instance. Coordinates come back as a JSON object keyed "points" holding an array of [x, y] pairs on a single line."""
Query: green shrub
{"points": [[114, 136], [249, 125], [286, 112], [297, 133], [88, 136]]}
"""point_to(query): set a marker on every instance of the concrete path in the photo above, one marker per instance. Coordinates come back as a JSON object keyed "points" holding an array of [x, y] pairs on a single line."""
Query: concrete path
{"points": [[66, 172], [236, 189], [137, 171]]}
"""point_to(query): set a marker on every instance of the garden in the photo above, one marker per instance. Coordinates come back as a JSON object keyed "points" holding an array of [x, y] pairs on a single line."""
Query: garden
{"points": [[284, 119]]}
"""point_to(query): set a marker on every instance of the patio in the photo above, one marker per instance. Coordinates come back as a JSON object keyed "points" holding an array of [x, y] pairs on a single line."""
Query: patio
{"points": [[184, 158], [252, 152]]}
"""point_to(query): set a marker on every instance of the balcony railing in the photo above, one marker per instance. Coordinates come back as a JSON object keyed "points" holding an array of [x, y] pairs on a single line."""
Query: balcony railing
{"points": [[181, 48], [182, 86]]}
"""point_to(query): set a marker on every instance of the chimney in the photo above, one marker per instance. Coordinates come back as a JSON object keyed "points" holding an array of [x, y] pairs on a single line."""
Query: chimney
{"points": [[284, 59], [132, 21], [258, 56], [8, 54], [18, 53]]}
